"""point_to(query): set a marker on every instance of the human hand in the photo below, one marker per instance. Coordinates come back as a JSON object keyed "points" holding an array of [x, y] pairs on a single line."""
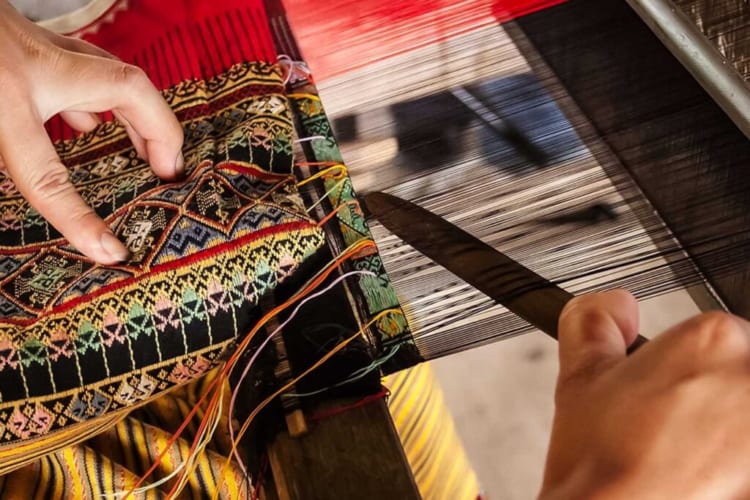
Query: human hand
{"points": [[668, 422], [42, 74]]}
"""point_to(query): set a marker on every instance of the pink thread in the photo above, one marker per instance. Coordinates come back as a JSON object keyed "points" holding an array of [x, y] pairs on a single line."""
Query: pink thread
{"points": [[263, 345], [294, 67]]}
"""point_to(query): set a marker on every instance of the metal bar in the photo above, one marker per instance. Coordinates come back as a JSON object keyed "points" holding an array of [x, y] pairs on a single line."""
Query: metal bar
{"points": [[699, 56]]}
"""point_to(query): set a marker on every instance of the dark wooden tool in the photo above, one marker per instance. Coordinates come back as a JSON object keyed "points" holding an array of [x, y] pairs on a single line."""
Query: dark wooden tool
{"points": [[501, 278]]}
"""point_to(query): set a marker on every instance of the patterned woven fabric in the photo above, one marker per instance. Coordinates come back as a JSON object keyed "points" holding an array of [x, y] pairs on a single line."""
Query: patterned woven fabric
{"points": [[81, 343], [377, 290], [203, 249], [113, 461]]}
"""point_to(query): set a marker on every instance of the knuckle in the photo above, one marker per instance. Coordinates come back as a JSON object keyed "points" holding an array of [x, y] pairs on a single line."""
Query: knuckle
{"points": [[53, 181], [31, 45], [580, 312], [41, 50], [130, 76], [594, 321], [719, 332]]}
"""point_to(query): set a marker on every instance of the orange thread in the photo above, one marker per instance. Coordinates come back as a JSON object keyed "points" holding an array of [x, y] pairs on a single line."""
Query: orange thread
{"points": [[335, 211], [230, 364], [322, 360]]}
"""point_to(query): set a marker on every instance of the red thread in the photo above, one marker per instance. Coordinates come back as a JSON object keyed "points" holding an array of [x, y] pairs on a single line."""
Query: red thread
{"points": [[342, 35], [229, 365], [261, 477], [169, 266], [384, 392]]}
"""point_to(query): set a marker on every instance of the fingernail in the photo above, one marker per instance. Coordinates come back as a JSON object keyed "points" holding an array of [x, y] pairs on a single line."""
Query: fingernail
{"points": [[179, 166], [114, 247]]}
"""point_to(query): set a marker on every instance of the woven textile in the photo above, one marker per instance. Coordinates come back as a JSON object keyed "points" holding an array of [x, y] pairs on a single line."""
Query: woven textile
{"points": [[238, 131], [113, 461], [433, 448], [80, 343]]}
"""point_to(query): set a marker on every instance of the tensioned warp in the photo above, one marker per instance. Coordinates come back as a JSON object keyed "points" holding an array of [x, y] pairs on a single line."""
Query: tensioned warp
{"points": [[679, 146], [617, 117]]}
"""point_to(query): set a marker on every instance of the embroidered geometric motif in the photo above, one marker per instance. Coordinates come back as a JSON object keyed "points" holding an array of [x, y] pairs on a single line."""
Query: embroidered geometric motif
{"points": [[377, 291], [88, 405], [80, 342], [30, 419], [135, 389]]}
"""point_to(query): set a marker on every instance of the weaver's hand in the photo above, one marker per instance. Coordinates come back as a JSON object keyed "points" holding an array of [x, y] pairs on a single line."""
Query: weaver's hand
{"points": [[42, 74], [669, 422]]}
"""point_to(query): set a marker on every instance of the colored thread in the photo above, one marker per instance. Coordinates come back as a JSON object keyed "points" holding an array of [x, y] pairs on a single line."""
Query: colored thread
{"points": [[335, 187], [311, 138], [205, 438], [283, 58], [354, 376], [261, 477], [265, 343], [293, 65], [351, 251], [336, 210], [311, 97], [340, 167], [283, 389], [193, 455], [231, 364], [383, 393]]}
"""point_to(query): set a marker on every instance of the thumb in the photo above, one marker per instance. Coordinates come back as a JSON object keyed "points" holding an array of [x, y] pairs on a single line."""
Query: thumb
{"points": [[594, 332]]}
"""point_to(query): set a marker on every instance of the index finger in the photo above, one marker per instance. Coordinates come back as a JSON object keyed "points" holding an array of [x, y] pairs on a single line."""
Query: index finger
{"points": [[33, 164], [95, 84]]}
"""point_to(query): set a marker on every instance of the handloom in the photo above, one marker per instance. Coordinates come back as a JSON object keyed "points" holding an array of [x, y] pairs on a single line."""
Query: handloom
{"points": [[222, 240], [640, 188]]}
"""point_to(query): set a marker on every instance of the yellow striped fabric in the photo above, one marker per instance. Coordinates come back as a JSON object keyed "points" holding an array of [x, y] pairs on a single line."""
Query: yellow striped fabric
{"points": [[113, 461], [433, 448]]}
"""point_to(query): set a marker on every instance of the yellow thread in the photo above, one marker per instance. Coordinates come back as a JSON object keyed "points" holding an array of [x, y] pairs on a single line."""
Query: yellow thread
{"points": [[232, 363], [283, 389], [339, 166], [312, 97], [214, 418]]}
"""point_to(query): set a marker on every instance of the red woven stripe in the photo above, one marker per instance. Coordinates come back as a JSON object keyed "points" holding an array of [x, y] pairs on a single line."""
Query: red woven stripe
{"points": [[341, 35], [175, 40], [163, 268]]}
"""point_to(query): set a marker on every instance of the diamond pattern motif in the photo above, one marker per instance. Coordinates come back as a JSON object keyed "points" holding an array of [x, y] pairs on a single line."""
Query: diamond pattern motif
{"points": [[202, 251]]}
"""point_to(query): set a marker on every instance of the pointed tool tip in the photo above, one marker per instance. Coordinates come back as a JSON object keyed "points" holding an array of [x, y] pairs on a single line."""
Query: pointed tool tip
{"points": [[374, 203]]}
